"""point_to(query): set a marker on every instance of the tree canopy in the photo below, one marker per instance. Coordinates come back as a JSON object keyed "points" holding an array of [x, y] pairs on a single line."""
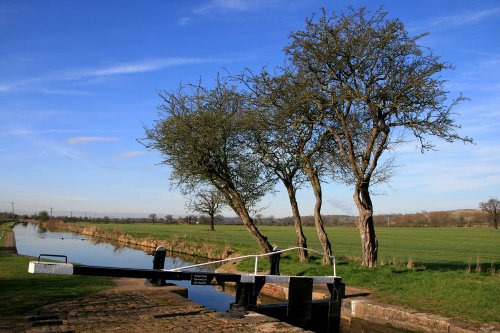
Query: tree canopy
{"points": [[202, 134], [375, 86], [492, 207], [207, 201], [356, 85]]}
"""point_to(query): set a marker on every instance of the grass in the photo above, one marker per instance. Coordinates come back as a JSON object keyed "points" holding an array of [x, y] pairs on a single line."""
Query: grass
{"points": [[430, 269], [433, 246], [21, 291], [4, 228]]}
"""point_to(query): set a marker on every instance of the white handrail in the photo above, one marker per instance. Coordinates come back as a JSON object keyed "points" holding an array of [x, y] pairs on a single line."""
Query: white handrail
{"points": [[256, 256]]}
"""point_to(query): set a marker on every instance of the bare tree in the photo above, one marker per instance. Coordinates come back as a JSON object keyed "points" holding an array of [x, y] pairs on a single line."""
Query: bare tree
{"points": [[492, 207], [169, 219], [202, 135], [208, 202], [375, 86], [152, 217], [293, 151]]}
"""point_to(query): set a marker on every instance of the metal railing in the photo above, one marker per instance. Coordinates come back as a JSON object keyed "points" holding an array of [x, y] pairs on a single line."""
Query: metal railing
{"points": [[257, 256]]}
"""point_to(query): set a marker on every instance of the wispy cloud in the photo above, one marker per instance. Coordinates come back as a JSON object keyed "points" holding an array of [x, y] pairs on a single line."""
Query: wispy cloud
{"points": [[213, 7], [453, 169], [132, 154], [183, 21], [87, 139], [463, 18], [47, 145], [137, 67], [64, 92], [342, 206], [233, 5], [102, 72]]}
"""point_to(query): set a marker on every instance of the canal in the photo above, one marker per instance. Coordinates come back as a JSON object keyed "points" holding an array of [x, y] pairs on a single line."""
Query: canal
{"points": [[31, 240]]}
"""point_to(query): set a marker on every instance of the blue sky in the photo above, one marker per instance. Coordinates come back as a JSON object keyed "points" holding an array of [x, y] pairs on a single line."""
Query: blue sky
{"points": [[79, 79]]}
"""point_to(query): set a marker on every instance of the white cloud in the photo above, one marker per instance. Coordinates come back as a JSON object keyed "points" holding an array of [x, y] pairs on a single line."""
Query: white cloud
{"points": [[340, 206], [214, 6], [87, 139], [183, 21], [95, 73], [47, 145], [64, 92], [463, 18], [132, 154], [234, 5], [138, 67]]}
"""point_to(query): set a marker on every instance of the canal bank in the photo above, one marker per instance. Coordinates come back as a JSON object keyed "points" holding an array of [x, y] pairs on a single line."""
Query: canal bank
{"points": [[361, 312], [7, 241]]}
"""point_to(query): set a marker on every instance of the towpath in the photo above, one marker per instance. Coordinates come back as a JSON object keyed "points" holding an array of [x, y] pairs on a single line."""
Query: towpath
{"points": [[133, 307]]}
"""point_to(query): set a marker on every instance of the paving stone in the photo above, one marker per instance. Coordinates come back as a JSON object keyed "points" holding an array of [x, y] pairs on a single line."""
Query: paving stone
{"points": [[139, 309]]}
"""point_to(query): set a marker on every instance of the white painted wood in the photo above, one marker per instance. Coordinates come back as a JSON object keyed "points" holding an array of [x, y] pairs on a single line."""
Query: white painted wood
{"points": [[40, 267], [250, 278]]}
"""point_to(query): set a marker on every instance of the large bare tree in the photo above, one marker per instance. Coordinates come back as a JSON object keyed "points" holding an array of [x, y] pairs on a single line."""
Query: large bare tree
{"points": [[492, 207], [376, 86], [202, 136]]}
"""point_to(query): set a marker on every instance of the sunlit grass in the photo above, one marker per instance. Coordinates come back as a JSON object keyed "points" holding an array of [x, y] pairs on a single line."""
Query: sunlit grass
{"points": [[441, 277]]}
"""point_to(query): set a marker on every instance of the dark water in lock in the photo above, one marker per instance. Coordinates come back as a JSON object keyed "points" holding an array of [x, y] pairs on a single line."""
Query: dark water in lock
{"points": [[32, 240]]}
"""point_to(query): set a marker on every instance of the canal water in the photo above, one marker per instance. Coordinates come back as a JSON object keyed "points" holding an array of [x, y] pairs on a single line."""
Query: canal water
{"points": [[31, 240]]}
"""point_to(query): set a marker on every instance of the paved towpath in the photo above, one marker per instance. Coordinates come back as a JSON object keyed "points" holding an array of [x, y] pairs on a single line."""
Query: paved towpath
{"points": [[133, 307]]}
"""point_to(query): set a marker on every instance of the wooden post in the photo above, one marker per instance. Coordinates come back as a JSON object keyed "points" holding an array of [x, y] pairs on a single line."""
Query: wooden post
{"points": [[158, 263], [275, 262]]}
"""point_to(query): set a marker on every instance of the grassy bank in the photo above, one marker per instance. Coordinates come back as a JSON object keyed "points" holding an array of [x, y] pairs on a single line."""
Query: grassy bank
{"points": [[5, 227], [21, 291], [446, 271]]}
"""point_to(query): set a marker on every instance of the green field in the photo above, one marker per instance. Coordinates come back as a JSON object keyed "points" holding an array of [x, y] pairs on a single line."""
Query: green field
{"points": [[443, 278], [430, 246]]}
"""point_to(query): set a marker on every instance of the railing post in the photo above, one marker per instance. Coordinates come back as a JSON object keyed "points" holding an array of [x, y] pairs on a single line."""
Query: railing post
{"points": [[158, 263], [275, 261], [247, 293]]}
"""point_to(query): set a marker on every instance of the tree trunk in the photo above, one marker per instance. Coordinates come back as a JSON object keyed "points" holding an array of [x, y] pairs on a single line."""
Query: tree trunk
{"points": [[318, 220], [369, 243], [242, 212], [301, 238], [261, 240], [234, 200], [212, 222]]}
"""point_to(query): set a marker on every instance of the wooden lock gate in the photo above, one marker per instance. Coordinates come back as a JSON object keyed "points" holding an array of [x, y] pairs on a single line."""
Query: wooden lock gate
{"points": [[300, 310]]}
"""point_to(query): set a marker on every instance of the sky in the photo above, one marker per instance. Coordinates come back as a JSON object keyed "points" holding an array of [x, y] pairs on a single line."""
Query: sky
{"points": [[79, 81]]}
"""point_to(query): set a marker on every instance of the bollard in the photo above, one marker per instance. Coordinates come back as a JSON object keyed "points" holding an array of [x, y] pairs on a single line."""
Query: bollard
{"points": [[158, 263], [275, 262]]}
